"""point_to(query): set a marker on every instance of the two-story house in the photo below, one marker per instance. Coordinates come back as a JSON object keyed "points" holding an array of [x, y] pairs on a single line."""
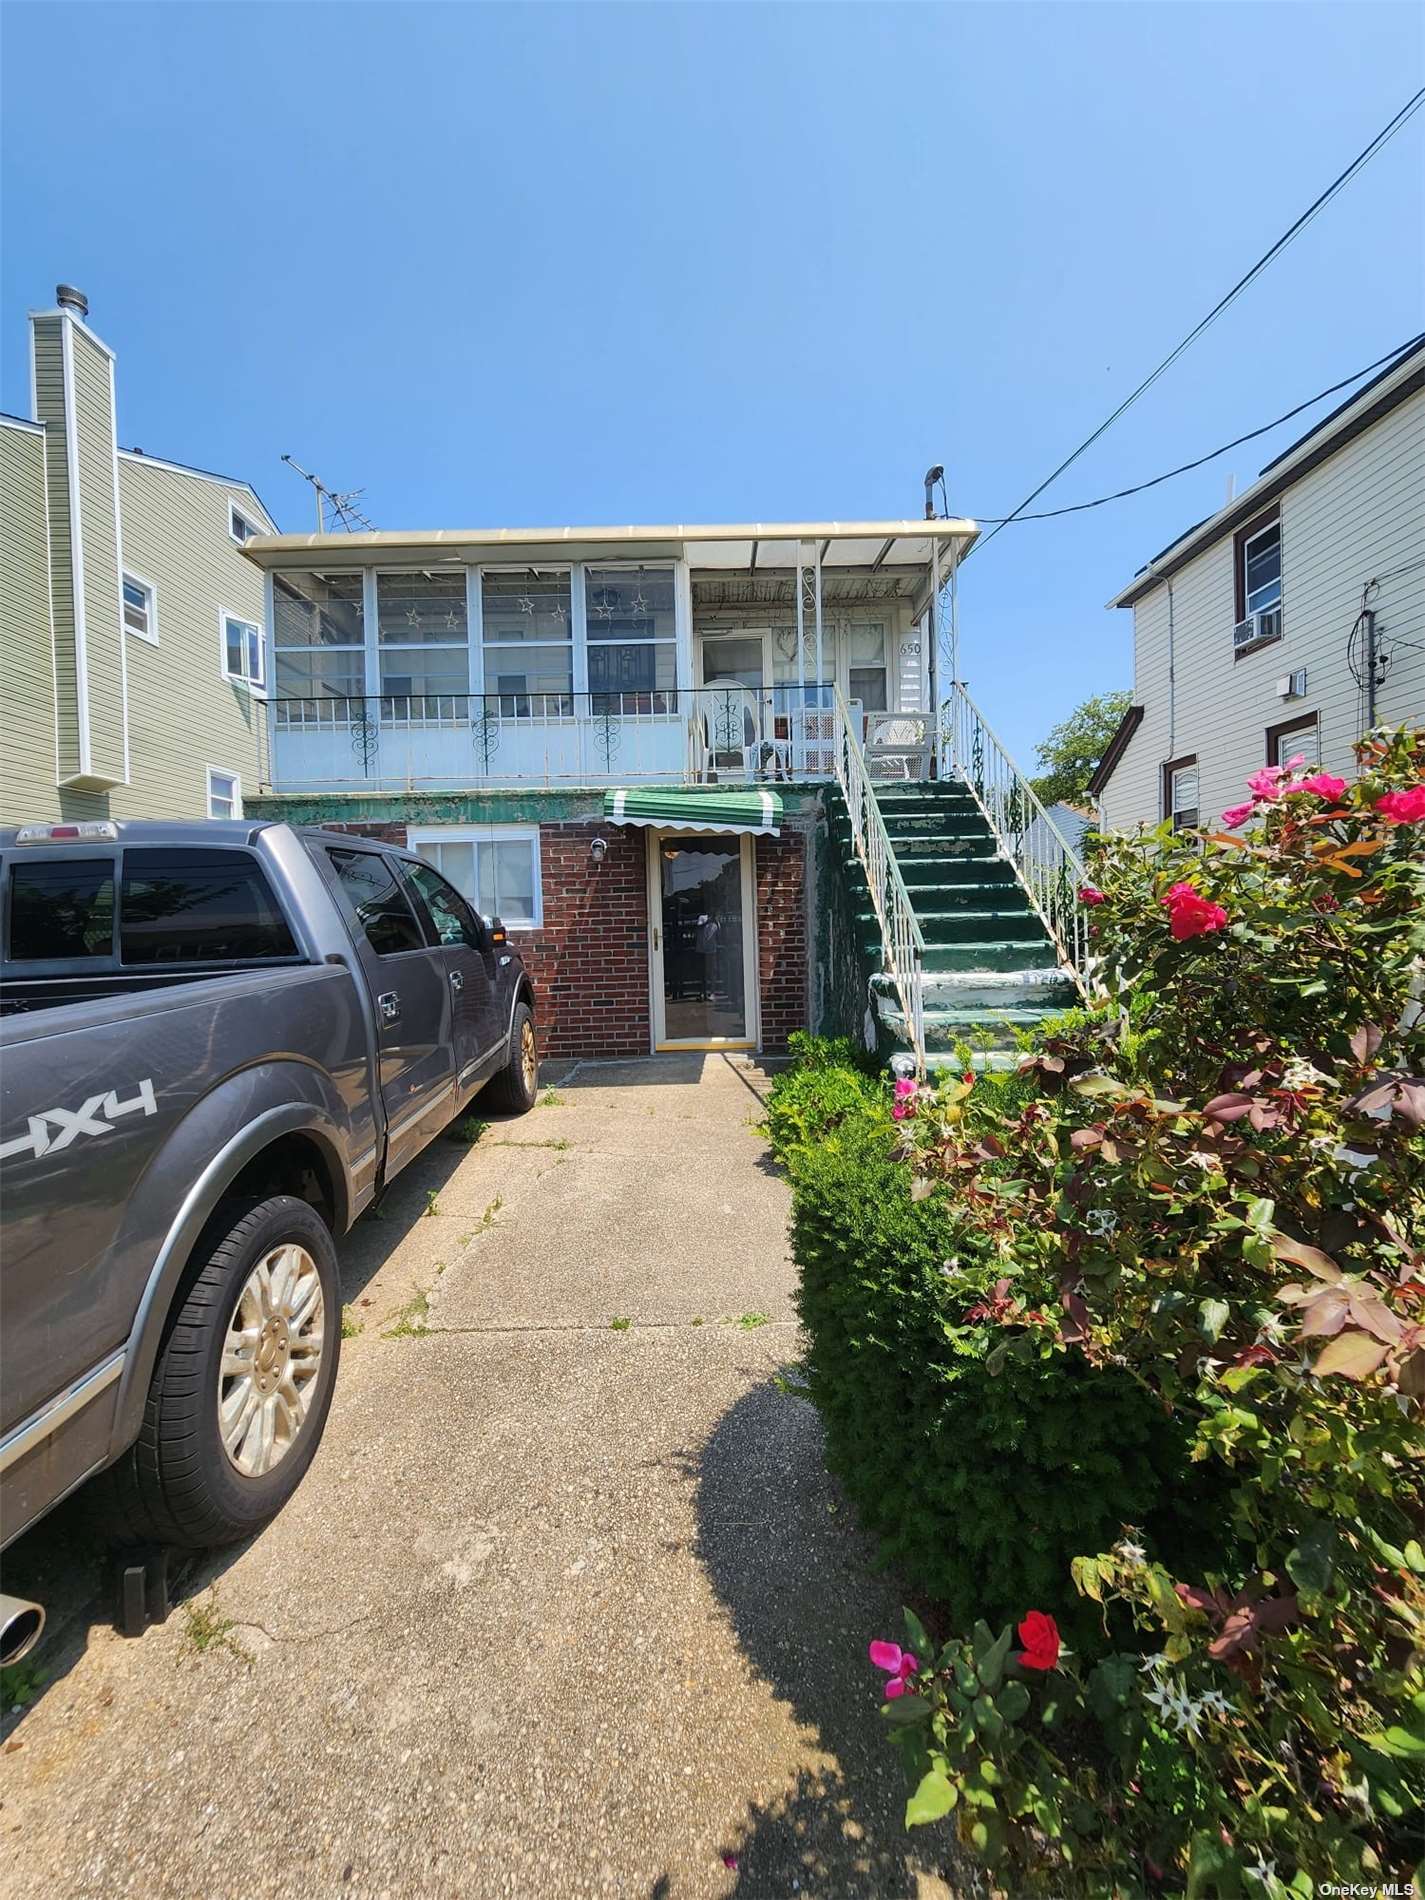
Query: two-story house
{"points": [[133, 632], [1289, 623]]}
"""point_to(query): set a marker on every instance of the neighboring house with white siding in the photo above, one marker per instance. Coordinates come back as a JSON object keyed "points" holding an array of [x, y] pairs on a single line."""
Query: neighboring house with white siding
{"points": [[1292, 621], [132, 625]]}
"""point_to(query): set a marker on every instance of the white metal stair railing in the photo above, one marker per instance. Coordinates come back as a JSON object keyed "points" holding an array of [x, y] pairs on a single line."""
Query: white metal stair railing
{"points": [[1045, 863], [902, 945]]}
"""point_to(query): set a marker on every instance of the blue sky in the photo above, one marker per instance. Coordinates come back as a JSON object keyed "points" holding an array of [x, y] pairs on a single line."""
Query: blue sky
{"points": [[642, 263]]}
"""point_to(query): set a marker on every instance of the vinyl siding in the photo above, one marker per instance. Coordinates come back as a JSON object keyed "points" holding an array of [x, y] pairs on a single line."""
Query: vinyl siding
{"points": [[183, 715], [1358, 517], [27, 775], [48, 347], [103, 630]]}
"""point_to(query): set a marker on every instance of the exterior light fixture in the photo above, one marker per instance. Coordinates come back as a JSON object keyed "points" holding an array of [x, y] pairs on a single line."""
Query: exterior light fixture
{"points": [[599, 850]]}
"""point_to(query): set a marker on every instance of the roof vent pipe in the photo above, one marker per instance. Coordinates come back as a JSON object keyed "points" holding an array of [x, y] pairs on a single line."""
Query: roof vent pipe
{"points": [[932, 476], [68, 298]]}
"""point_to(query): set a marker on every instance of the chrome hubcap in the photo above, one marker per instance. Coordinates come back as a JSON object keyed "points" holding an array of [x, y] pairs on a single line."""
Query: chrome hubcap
{"points": [[271, 1356], [528, 1060]]}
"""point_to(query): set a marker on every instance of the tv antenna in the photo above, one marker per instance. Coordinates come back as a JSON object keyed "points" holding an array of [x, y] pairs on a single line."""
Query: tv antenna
{"points": [[340, 506]]}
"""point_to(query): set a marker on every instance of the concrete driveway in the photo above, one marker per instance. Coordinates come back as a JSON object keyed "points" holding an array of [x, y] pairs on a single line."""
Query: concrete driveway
{"points": [[566, 1604]]}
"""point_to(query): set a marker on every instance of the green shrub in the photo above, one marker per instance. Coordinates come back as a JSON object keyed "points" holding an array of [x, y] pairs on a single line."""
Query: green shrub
{"points": [[1216, 1189], [828, 1082], [981, 1488]]}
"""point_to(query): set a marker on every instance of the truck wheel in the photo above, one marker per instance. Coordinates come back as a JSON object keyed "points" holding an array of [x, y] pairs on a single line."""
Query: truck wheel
{"points": [[243, 1383], [516, 1085]]}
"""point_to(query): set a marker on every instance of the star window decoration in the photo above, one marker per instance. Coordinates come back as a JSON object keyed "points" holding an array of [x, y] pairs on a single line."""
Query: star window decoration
{"points": [[452, 621], [638, 604], [526, 604], [413, 617]]}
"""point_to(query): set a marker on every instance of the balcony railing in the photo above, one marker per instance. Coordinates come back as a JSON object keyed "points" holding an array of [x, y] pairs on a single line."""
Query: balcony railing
{"points": [[706, 734]]}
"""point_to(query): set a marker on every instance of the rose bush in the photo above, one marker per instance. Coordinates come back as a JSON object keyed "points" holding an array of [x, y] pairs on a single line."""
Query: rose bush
{"points": [[1211, 1186]]}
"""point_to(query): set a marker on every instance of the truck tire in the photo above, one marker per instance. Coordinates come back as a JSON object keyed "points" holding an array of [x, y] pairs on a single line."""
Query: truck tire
{"points": [[243, 1383], [517, 1084]]}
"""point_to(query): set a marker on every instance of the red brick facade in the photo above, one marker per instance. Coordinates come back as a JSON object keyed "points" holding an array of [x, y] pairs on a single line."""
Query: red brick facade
{"points": [[589, 961], [781, 866]]}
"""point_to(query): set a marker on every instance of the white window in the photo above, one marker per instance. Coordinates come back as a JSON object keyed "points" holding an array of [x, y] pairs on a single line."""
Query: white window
{"points": [[1299, 738], [495, 866], [866, 676], [141, 608], [240, 526], [1262, 569], [242, 649], [224, 794], [1180, 781]]}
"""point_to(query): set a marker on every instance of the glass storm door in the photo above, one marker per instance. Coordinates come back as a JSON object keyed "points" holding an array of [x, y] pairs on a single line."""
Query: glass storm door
{"points": [[702, 898]]}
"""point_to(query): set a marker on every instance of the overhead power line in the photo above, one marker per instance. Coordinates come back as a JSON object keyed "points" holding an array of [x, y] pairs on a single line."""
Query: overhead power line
{"points": [[1342, 178], [1184, 468]]}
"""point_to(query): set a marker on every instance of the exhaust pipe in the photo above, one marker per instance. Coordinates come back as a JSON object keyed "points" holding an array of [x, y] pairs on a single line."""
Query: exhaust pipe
{"points": [[20, 1625]]}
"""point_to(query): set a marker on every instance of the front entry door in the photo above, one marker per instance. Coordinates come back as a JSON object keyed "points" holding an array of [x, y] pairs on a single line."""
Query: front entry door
{"points": [[702, 900]]}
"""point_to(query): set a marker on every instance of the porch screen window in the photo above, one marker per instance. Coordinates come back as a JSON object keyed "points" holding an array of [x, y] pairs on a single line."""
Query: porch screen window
{"points": [[528, 637], [319, 640], [866, 677], [629, 619], [423, 643]]}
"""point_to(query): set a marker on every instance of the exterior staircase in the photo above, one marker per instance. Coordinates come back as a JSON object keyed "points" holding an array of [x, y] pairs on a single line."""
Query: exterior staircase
{"points": [[991, 966]]}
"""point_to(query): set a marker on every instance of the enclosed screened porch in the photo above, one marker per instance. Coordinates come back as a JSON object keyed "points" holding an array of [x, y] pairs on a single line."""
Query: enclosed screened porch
{"points": [[600, 656]]}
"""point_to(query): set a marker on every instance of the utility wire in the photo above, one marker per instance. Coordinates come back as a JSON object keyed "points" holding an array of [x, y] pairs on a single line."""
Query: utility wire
{"points": [[1119, 494], [1387, 132]]}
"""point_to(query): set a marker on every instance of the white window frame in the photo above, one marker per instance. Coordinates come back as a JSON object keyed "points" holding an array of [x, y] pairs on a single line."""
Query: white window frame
{"points": [[224, 772], [257, 687], [477, 835], [250, 522], [378, 649], [150, 635]]}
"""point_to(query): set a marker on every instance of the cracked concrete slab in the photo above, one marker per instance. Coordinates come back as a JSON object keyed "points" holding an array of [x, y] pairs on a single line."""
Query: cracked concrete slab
{"points": [[558, 1610]]}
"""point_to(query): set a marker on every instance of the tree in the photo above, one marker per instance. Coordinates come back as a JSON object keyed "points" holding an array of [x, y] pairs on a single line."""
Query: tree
{"points": [[1074, 747]]}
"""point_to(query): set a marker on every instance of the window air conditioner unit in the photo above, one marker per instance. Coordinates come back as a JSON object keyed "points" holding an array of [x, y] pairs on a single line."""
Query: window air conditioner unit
{"points": [[1257, 628]]}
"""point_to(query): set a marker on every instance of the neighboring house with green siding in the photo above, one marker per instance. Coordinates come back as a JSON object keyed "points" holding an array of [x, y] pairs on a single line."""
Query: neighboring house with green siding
{"points": [[132, 625]]}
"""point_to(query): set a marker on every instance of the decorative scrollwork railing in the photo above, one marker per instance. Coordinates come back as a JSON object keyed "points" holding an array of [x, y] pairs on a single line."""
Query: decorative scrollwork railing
{"points": [[1045, 863], [902, 944]]}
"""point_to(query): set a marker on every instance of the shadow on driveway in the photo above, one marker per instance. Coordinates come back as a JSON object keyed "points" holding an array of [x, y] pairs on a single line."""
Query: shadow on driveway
{"points": [[797, 1579]]}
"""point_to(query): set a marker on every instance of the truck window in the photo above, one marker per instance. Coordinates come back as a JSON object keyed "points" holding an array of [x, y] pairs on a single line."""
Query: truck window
{"points": [[61, 909], [196, 906], [453, 918], [380, 905]]}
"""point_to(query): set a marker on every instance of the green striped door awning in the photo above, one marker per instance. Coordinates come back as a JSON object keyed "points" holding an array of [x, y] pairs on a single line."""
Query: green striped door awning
{"points": [[747, 808]]}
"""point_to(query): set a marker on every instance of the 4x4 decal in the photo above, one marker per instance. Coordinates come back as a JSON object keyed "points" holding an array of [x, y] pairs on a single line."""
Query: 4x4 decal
{"points": [[97, 1117]]}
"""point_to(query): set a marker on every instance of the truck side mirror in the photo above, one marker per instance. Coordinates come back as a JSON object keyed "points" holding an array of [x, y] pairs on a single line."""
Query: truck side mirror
{"points": [[499, 936]]}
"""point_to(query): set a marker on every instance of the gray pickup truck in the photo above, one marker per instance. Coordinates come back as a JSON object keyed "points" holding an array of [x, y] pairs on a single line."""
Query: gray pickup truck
{"points": [[219, 1043]]}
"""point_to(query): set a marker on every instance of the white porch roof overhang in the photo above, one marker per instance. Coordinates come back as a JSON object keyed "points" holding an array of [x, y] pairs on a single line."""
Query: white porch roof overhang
{"points": [[748, 547]]}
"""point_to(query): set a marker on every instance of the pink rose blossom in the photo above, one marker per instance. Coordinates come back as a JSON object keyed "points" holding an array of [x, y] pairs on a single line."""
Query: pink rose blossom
{"points": [[1238, 814], [1265, 785], [1323, 784], [1190, 914], [1091, 894], [1403, 808], [898, 1664]]}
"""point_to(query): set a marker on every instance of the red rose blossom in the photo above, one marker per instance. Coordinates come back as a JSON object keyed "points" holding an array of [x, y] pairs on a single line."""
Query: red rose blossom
{"points": [[1040, 1636], [1091, 894], [1190, 914]]}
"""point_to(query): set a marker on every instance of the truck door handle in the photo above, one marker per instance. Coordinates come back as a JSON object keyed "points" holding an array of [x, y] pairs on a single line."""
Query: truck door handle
{"points": [[457, 981], [389, 1005]]}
